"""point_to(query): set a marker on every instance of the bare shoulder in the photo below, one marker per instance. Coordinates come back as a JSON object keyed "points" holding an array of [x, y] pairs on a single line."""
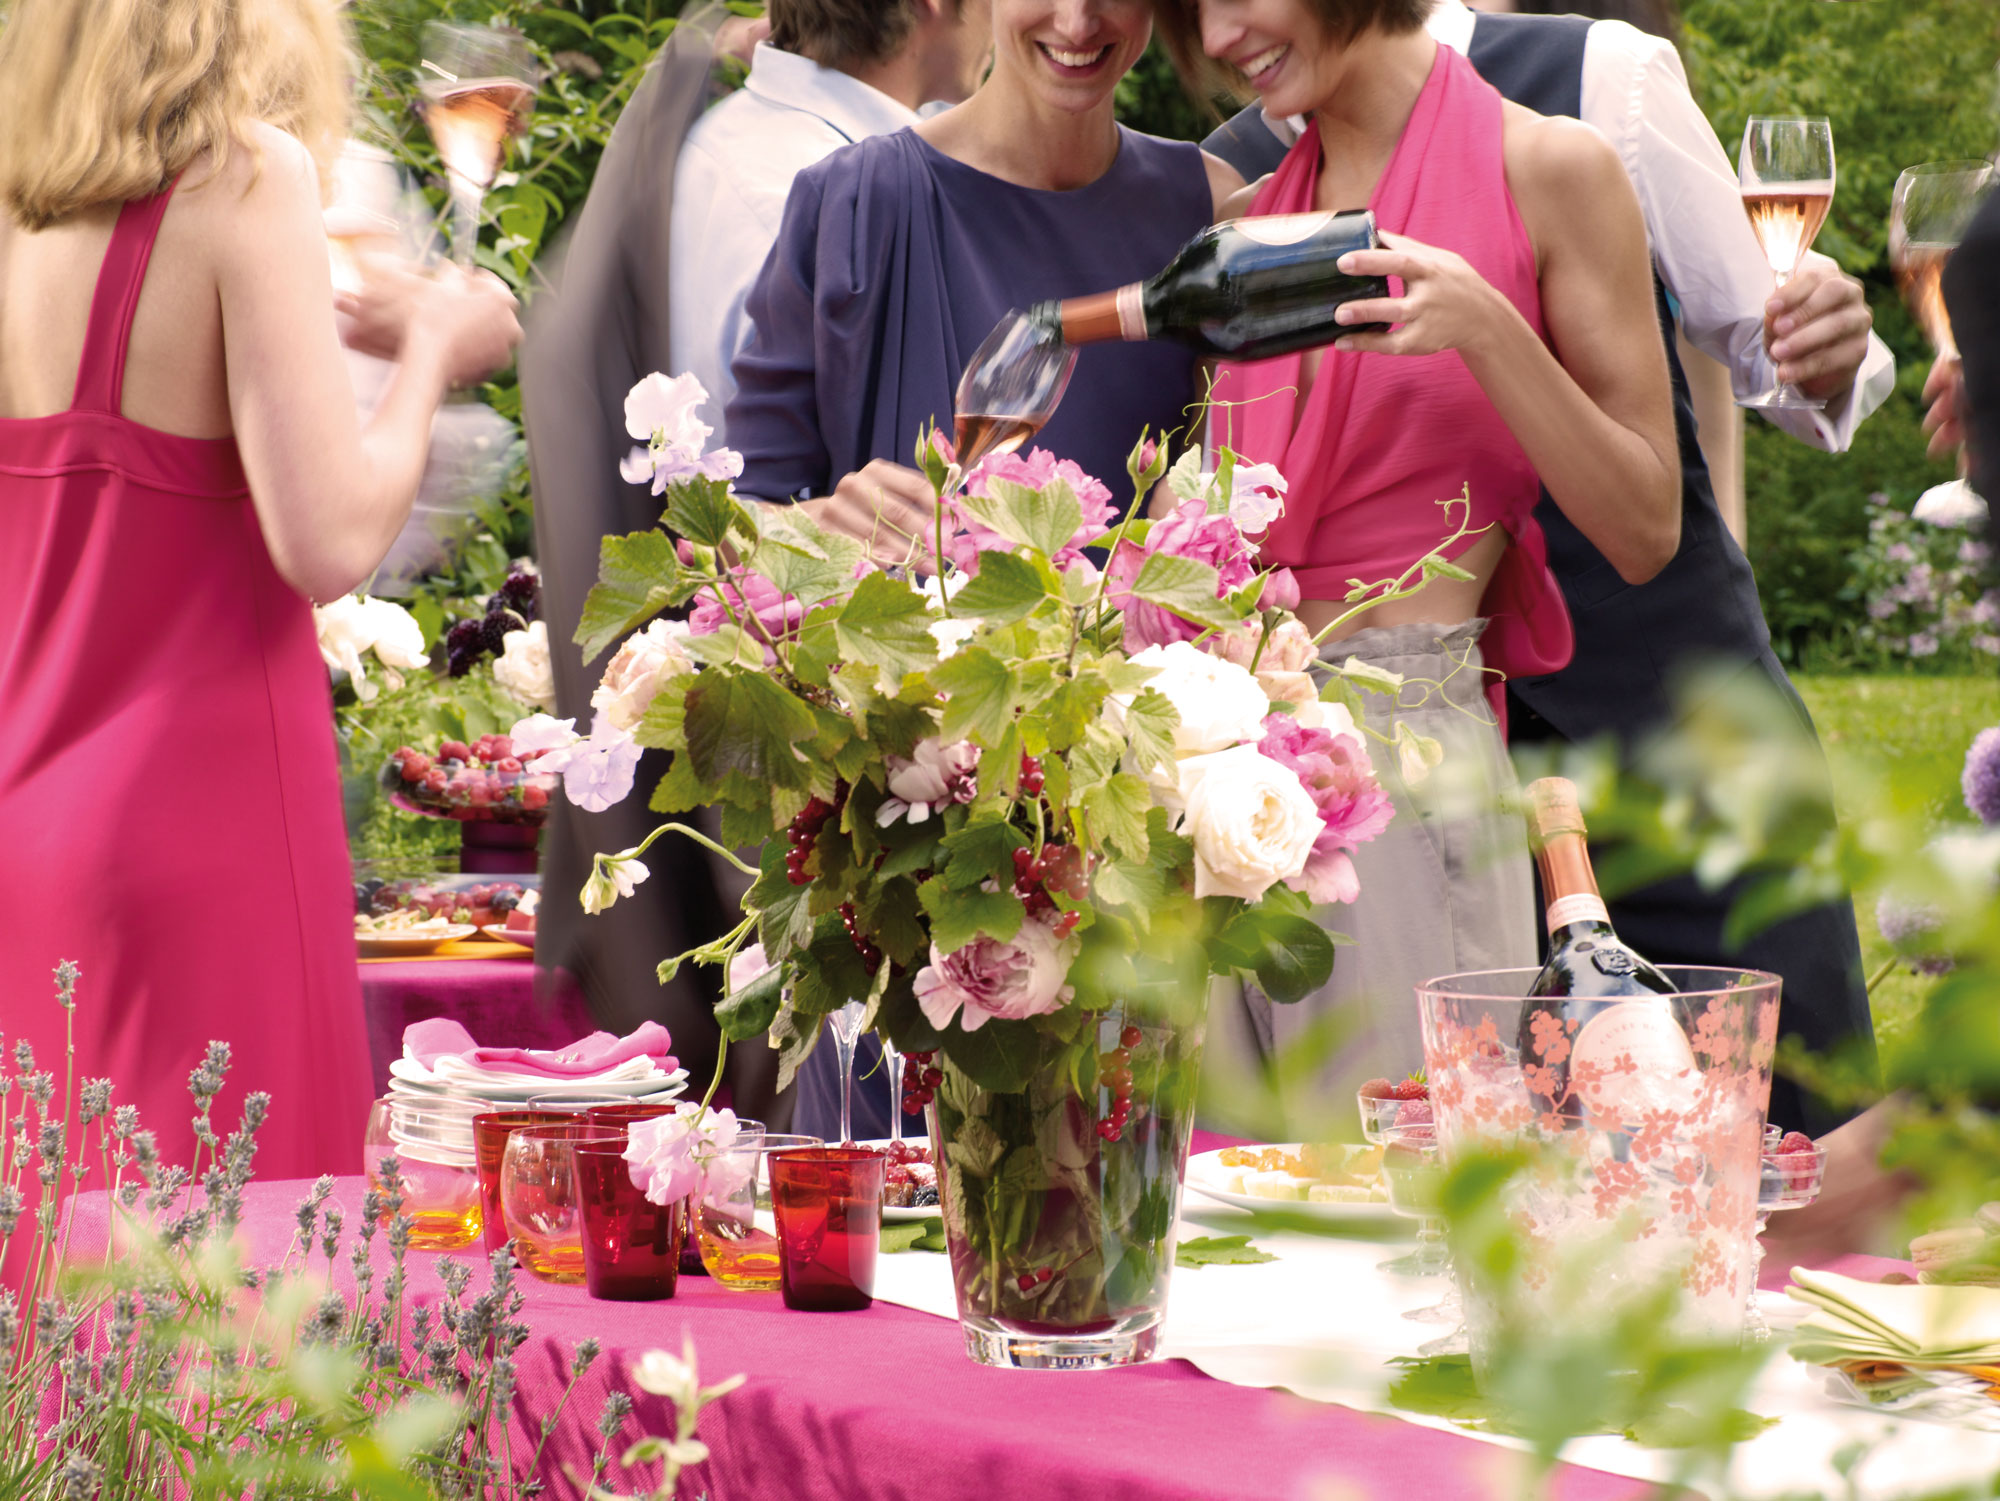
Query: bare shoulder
{"points": [[268, 179], [1224, 184], [1237, 204], [1567, 182]]}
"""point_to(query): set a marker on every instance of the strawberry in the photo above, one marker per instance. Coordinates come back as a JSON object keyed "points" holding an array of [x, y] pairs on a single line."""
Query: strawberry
{"points": [[1412, 1088], [1377, 1089]]}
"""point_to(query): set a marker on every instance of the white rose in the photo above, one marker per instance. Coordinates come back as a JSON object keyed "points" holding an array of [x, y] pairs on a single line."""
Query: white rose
{"points": [[350, 626], [1252, 823], [1219, 703], [523, 667], [639, 670]]}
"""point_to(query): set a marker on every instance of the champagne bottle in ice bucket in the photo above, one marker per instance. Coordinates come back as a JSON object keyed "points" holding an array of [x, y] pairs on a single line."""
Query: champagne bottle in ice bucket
{"points": [[1248, 289], [1605, 1024]]}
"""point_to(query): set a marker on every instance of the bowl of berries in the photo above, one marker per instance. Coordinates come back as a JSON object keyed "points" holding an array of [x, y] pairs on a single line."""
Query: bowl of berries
{"points": [[484, 782], [909, 1179], [1404, 1105], [393, 894]]}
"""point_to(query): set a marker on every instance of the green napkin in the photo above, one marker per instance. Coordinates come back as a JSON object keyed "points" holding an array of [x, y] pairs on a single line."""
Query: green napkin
{"points": [[1913, 1323]]}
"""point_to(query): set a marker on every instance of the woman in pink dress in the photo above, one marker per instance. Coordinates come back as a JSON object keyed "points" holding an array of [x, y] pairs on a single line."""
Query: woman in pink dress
{"points": [[181, 473], [1522, 355]]}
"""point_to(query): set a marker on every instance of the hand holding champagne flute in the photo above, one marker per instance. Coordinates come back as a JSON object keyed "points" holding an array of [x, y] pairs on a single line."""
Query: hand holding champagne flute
{"points": [[1928, 213], [476, 94], [1785, 170]]}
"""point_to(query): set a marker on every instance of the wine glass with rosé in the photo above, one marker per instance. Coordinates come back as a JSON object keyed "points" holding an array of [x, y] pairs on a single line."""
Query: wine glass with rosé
{"points": [[1928, 215], [478, 90], [1785, 171], [1011, 387]]}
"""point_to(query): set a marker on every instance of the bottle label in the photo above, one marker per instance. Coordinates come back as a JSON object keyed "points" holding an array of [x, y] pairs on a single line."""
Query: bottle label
{"points": [[1580, 906], [1281, 229], [1631, 1059]]}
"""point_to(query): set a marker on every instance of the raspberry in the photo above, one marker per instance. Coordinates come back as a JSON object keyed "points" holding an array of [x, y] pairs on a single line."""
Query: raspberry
{"points": [[534, 797], [1377, 1089], [1414, 1113], [455, 750], [507, 764], [435, 780], [1794, 1141], [1412, 1088], [415, 766]]}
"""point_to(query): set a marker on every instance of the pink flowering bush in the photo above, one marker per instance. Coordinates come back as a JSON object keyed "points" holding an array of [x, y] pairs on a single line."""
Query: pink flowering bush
{"points": [[1032, 470], [1927, 600]]}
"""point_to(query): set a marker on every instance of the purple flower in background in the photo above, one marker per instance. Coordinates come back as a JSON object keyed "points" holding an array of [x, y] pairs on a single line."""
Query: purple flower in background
{"points": [[1986, 610], [1923, 644], [1881, 607], [1988, 644], [1901, 552], [1912, 929], [1981, 782], [1972, 554]]}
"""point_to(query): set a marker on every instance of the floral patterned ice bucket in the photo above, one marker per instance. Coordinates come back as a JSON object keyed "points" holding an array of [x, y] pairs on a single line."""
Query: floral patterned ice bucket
{"points": [[1641, 1162]]}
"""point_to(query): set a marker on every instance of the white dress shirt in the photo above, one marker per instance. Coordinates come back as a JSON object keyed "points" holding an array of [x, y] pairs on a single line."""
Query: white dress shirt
{"points": [[1635, 94], [736, 168]]}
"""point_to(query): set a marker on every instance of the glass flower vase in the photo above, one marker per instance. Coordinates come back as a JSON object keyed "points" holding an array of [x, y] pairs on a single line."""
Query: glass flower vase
{"points": [[1059, 1205]]}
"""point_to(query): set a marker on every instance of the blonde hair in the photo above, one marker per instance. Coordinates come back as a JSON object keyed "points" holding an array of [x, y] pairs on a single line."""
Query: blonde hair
{"points": [[109, 100]]}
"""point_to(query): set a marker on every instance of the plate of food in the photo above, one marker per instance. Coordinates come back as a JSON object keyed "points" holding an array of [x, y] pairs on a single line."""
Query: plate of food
{"points": [[1327, 1180], [519, 926], [909, 1187], [404, 933]]}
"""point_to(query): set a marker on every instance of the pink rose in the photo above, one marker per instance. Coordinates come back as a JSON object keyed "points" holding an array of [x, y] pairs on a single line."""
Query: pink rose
{"points": [[1190, 532], [752, 595], [988, 978], [1336, 773], [1035, 469]]}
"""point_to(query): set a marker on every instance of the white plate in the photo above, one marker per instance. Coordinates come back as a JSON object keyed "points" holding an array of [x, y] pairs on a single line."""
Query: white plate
{"points": [[659, 1087], [1207, 1176], [390, 944], [897, 1214]]}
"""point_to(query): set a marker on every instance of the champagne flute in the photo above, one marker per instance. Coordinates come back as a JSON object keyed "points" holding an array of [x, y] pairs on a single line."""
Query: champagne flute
{"points": [[1785, 170], [477, 91], [846, 1024], [892, 1066], [1011, 387], [1928, 214]]}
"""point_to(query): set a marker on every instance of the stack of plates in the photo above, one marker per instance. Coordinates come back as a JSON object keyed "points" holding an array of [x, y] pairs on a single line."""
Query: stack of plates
{"points": [[431, 1119]]}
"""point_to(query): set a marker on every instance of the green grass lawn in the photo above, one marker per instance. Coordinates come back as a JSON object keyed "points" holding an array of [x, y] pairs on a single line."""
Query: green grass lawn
{"points": [[1917, 728]]}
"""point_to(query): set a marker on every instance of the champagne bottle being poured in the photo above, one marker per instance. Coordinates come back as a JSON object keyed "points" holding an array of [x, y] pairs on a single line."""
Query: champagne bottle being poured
{"points": [[1248, 289]]}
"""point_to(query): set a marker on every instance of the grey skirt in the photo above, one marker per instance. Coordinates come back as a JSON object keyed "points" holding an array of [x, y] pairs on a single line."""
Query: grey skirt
{"points": [[1446, 887]]}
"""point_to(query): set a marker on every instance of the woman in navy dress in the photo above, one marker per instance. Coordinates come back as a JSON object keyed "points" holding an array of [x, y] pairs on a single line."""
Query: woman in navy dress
{"points": [[897, 256]]}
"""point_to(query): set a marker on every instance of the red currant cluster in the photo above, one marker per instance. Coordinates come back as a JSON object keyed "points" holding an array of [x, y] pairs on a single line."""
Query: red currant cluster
{"points": [[921, 1077], [871, 957], [802, 835], [1029, 1281], [1031, 776], [1059, 868], [1114, 1072]]}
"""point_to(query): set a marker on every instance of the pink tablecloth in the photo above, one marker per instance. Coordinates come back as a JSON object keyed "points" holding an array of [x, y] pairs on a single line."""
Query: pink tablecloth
{"points": [[494, 999], [883, 1403]]}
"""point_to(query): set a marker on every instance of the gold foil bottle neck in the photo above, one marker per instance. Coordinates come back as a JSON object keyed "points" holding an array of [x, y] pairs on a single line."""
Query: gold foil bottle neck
{"points": [[1553, 809]]}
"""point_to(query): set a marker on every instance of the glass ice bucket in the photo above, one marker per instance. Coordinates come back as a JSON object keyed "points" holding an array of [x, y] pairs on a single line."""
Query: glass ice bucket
{"points": [[1660, 1189]]}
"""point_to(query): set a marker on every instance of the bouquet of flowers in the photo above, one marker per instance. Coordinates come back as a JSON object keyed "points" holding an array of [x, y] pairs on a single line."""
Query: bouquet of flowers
{"points": [[1030, 803]]}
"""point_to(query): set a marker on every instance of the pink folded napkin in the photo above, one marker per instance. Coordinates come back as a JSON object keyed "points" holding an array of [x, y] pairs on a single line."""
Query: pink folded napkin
{"points": [[427, 1041]]}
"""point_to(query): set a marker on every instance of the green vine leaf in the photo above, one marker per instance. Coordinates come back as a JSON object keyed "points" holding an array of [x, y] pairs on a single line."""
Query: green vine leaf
{"points": [[885, 624], [1185, 587], [1219, 1250], [1005, 588], [637, 577], [980, 691], [742, 730]]}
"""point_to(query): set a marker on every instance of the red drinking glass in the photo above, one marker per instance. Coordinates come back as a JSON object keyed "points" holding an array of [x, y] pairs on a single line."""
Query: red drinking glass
{"points": [[828, 1202], [631, 1246], [489, 1145]]}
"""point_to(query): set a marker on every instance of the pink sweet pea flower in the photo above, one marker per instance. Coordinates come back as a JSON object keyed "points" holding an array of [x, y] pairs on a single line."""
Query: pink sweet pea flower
{"points": [[1336, 773], [1034, 469], [1190, 532], [752, 595]]}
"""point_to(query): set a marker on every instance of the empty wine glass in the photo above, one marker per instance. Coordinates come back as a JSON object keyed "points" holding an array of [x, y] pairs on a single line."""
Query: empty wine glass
{"points": [[1785, 171], [477, 91], [1412, 1170], [1785, 1180], [1011, 386], [846, 1024]]}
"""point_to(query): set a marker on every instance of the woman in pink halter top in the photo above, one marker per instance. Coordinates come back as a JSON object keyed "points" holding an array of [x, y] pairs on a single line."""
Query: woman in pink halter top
{"points": [[180, 468], [1521, 355]]}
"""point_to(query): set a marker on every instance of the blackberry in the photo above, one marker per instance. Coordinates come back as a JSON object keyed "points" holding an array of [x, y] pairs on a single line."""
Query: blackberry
{"points": [[493, 631], [521, 593], [463, 647]]}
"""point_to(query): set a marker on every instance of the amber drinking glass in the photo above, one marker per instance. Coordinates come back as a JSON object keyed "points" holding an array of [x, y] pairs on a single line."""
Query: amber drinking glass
{"points": [[828, 1206], [732, 1221], [538, 1197], [432, 1145], [489, 1143]]}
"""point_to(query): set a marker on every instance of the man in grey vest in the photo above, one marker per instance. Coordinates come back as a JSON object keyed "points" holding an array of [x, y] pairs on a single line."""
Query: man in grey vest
{"points": [[1635, 645]]}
